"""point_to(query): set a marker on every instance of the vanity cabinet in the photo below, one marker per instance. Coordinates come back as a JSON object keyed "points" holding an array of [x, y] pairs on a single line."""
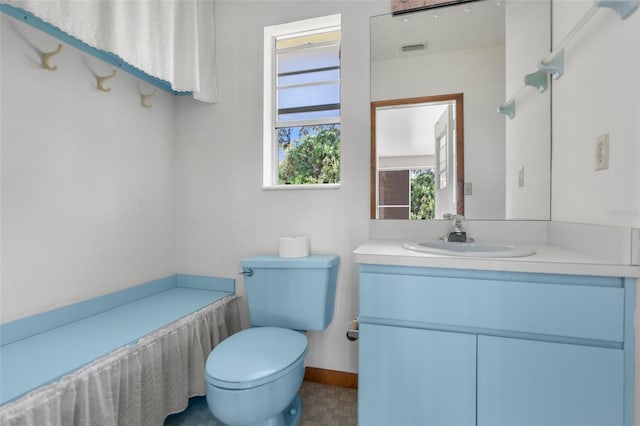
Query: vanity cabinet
{"points": [[545, 383], [442, 391], [464, 347]]}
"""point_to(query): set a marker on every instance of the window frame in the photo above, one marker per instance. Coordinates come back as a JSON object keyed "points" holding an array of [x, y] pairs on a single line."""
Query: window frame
{"points": [[270, 160]]}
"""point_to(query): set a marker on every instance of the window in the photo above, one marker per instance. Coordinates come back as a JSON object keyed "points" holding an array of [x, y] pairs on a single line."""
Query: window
{"points": [[406, 194], [302, 104], [393, 196]]}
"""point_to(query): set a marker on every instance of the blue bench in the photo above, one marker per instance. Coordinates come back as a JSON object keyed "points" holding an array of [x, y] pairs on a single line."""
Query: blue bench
{"points": [[41, 349]]}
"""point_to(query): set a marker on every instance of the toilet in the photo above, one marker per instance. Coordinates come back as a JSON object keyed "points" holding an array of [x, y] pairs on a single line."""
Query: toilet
{"points": [[254, 376]]}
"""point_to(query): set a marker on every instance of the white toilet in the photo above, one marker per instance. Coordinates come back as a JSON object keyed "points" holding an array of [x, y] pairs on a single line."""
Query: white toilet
{"points": [[254, 376]]}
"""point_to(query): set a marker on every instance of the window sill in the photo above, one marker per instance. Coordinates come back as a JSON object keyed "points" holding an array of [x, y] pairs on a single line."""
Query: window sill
{"points": [[307, 186]]}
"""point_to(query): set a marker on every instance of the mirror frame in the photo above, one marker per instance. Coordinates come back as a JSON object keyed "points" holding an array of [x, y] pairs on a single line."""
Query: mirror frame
{"points": [[458, 98]]}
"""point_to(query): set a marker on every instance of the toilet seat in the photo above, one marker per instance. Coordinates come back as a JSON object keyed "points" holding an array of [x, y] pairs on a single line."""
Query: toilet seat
{"points": [[255, 356]]}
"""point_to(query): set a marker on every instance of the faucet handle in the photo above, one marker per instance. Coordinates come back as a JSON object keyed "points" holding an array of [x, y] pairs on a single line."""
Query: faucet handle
{"points": [[457, 233]]}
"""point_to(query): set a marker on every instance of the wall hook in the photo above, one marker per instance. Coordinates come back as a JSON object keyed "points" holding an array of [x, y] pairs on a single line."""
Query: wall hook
{"points": [[537, 79], [623, 7], [48, 55], [554, 66], [101, 81], [144, 99], [508, 109]]}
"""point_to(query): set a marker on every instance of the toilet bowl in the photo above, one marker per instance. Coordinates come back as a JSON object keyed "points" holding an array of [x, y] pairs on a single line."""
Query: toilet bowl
{"points": [[253, 377]]}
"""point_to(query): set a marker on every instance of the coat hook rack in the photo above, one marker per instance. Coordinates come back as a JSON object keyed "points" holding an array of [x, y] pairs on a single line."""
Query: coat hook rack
{"points": [[46, 56], [145, 98], [102, 79]]}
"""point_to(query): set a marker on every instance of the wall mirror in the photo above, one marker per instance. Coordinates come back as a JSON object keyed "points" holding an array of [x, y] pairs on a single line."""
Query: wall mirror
{"points": [[480, 51]]}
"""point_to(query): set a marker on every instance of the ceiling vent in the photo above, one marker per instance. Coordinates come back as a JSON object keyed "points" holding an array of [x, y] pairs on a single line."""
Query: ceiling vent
{"points": [[413, 47]]}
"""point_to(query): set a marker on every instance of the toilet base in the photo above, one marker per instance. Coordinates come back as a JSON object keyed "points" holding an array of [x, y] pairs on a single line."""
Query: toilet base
{"points": [[289, 417], [293, 412]]}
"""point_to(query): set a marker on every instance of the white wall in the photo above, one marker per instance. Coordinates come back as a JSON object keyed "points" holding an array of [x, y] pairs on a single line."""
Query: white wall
{"points": [[478, 74], [87, 196], [599, 93], [527, 35], [223, 213]]}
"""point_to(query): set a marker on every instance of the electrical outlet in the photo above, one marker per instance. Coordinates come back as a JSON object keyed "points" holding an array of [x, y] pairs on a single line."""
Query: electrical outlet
{"points": [[468, 188], [602, 152], [521, 176]]}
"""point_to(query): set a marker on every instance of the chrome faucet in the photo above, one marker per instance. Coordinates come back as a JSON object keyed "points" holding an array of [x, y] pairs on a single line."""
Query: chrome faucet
{"points": [[457, 233]]}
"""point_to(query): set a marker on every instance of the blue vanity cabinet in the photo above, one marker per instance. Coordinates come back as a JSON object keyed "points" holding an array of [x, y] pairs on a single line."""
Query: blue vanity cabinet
{"points": [[411, 376], [467, 347], [524, 382]]}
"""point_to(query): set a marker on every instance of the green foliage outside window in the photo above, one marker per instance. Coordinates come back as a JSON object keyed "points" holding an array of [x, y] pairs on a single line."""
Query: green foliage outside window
{"points": [[422, 194], [309, 154]]}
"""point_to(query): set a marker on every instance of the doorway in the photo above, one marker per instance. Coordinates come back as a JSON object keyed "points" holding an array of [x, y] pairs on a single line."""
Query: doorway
{"points": [[417, 158]]}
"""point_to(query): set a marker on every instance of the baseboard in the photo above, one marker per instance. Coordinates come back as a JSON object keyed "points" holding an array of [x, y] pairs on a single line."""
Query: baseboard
{"points": [[331, 377]]}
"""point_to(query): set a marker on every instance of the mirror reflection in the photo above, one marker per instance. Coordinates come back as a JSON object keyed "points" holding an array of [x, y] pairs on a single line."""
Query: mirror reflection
{"points": [[481, 51], [418, 144]]}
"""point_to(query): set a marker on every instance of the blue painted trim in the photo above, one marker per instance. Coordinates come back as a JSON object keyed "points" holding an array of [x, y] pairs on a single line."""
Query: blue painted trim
{"points": [[34, 21], [629, 350], [495, 275], [39, 323], [207, 283]]}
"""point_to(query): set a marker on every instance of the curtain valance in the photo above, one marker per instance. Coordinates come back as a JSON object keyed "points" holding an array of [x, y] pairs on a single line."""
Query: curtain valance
{"points": [[172, 40]]}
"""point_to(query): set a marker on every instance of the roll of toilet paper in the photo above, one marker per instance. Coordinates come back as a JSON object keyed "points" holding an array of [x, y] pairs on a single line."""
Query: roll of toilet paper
{"points": [[294, 247]]}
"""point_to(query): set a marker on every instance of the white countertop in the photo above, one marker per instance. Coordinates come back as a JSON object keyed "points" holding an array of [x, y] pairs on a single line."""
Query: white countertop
{"points": [[548, 259]]}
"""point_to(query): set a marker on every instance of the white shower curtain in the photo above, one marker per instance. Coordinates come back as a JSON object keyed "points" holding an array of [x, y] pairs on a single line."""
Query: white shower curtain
{"points": [[169, 39], [135, 385]]}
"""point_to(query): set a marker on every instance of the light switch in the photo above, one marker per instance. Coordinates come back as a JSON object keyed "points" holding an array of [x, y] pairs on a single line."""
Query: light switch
{"points": [[602, 152], [521, 176]]}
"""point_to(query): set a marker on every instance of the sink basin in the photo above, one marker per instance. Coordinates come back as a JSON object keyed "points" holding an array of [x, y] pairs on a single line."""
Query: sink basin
{"points": [[471, 249]]}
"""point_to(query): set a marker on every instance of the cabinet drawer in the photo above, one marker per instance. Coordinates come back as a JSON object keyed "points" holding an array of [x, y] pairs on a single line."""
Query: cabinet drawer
{"points": [[518, 306]]}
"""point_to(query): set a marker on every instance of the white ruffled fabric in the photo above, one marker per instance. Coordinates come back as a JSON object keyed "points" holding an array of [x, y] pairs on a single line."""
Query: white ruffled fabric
{"points": [[169, 39], [135, 385]]}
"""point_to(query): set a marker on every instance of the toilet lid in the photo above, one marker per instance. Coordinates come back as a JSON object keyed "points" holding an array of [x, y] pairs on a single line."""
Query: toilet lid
{"points": [[254, 356]]}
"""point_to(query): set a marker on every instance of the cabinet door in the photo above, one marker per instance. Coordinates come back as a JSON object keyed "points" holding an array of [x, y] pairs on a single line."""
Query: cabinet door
{"points": [[524, 382], [415, 377]]}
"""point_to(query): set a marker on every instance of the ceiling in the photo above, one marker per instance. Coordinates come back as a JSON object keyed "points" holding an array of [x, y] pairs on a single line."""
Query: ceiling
{"points": [[470, 25], [407, 130]]}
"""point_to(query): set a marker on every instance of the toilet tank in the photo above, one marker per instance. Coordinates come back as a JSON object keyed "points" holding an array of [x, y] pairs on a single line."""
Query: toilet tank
{"points": [[294, 293]]}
